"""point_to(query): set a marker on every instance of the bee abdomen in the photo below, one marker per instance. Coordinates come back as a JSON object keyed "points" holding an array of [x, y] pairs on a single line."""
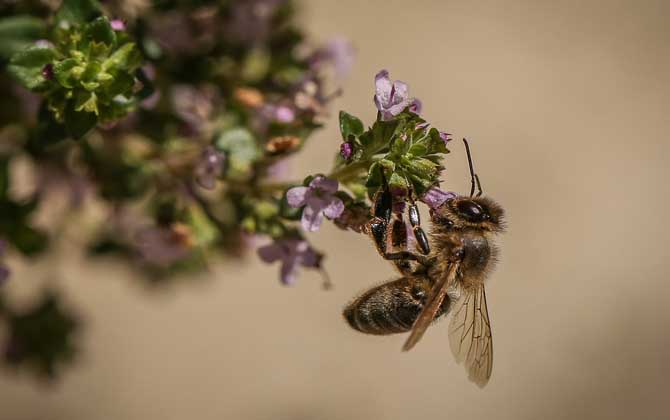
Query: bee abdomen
{"points": [[387, 309]]}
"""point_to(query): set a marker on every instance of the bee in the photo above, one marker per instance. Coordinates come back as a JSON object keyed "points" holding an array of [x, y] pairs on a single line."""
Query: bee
{"points": [[448, 276]]}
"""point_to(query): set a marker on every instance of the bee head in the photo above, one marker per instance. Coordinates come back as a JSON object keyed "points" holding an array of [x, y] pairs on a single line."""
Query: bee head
{"points": [[469, 212]]}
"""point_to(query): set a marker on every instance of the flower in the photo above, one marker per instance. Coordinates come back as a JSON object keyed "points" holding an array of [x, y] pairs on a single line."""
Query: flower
{"points": [[391, 98], [284, 114], [445, 137], [209, 167], [318, 199], [346, 150], [416, 106], [435, 197], [163, 246], [291, 252], [339, 51], [118, 25], [4, 271]]}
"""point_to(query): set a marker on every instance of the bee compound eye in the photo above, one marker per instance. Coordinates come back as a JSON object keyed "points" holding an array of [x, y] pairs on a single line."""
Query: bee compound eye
{"points": [[471, 211]]}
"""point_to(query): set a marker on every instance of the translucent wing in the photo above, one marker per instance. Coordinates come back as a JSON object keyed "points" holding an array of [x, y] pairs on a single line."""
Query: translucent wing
{"points": [[427, 315], [470, 335]]}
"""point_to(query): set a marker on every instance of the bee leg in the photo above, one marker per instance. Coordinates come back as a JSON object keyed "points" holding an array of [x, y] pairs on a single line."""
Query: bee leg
{"points": [[419, 234]]}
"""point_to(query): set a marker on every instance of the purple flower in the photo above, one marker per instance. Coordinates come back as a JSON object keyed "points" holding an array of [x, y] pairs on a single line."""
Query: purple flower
{"points": [[209, 167], [435, 197], [339, 51], [318, 199], [391, 98], [284, 114], [291, 252], [416, 106], [163, 246], [118, 25], [346, 150], [445, 137]]}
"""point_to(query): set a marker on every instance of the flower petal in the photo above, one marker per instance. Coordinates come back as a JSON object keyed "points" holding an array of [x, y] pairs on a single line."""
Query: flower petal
{"points": [[324, 184], [270, 253], [435, 197], [383, 88], [287, 273], [400, 92], [296, 196], [311, 219], [416, 106], [334, 209]]}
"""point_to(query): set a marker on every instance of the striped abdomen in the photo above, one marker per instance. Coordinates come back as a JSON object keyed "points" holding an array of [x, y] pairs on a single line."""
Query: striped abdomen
{"points": [[391, 307]]}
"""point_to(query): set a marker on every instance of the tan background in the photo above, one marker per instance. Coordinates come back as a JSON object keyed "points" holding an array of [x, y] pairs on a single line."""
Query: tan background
{"points": [[566, 104]]}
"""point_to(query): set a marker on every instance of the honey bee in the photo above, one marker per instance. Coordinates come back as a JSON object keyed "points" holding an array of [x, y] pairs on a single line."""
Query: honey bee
{"points": [[448, 278]]}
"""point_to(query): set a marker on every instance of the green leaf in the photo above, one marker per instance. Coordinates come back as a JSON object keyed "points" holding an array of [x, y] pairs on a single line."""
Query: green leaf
{"points": [[17, 33], [100, 31], [26, 66], [240, 147], [126, 58], [397, 182], [350, 126], [63, 72], [78, 124], [76, 12]]}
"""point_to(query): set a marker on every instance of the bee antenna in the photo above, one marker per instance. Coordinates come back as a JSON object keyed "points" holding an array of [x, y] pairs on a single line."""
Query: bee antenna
{"points": [[474, 178]]}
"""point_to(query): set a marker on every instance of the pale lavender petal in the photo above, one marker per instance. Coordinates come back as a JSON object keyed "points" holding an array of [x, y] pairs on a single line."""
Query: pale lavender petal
{"points": [[422, 126], [118, 25], [435, 197], [324, 184], [311, 219], [445, 137], [287, 273], [397, 108], [400, 92], [296, 196], [309, 258], [334, 209], [416, 106], [383, 88], [284, 114], [270, 253]]}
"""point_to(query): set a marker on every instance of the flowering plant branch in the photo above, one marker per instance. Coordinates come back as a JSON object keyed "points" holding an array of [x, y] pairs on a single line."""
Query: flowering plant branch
{"points": [[176, 119]]}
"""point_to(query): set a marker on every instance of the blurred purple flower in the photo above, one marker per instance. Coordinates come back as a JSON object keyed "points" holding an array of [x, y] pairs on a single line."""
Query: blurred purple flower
{"points": [[339, 52], [195, 106], [435, 197], [4, 270], [292, 252], [163, 246], [391, 98], [251, 20], [346, 150], [284, 114], [209, 167], [118, 25], [318, 199]]}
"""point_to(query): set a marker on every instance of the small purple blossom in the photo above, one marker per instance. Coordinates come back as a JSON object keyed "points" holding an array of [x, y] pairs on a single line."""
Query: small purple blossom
{"points": [[319, 199], [292, 252], [445, 137], [48, 72], [416, 106], [435, 197], [391, 98], [346, 150], [209, 167], [284, 114], [339, 51], [163, 246], [118, 25]]}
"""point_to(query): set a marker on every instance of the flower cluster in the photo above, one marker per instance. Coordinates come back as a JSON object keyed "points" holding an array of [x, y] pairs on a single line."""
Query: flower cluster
{"points": [[183, 115]]}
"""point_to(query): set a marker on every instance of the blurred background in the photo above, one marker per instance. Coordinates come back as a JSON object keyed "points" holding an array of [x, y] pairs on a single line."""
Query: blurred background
{"points": [[565, 104]]}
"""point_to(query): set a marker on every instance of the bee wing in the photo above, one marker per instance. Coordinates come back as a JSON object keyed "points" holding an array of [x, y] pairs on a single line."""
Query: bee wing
{"points": [[437, 294], [470, 335]]}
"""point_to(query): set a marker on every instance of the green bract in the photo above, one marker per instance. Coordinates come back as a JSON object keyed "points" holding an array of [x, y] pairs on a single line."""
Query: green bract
{"points": [[404, 151], [88, 75]]}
